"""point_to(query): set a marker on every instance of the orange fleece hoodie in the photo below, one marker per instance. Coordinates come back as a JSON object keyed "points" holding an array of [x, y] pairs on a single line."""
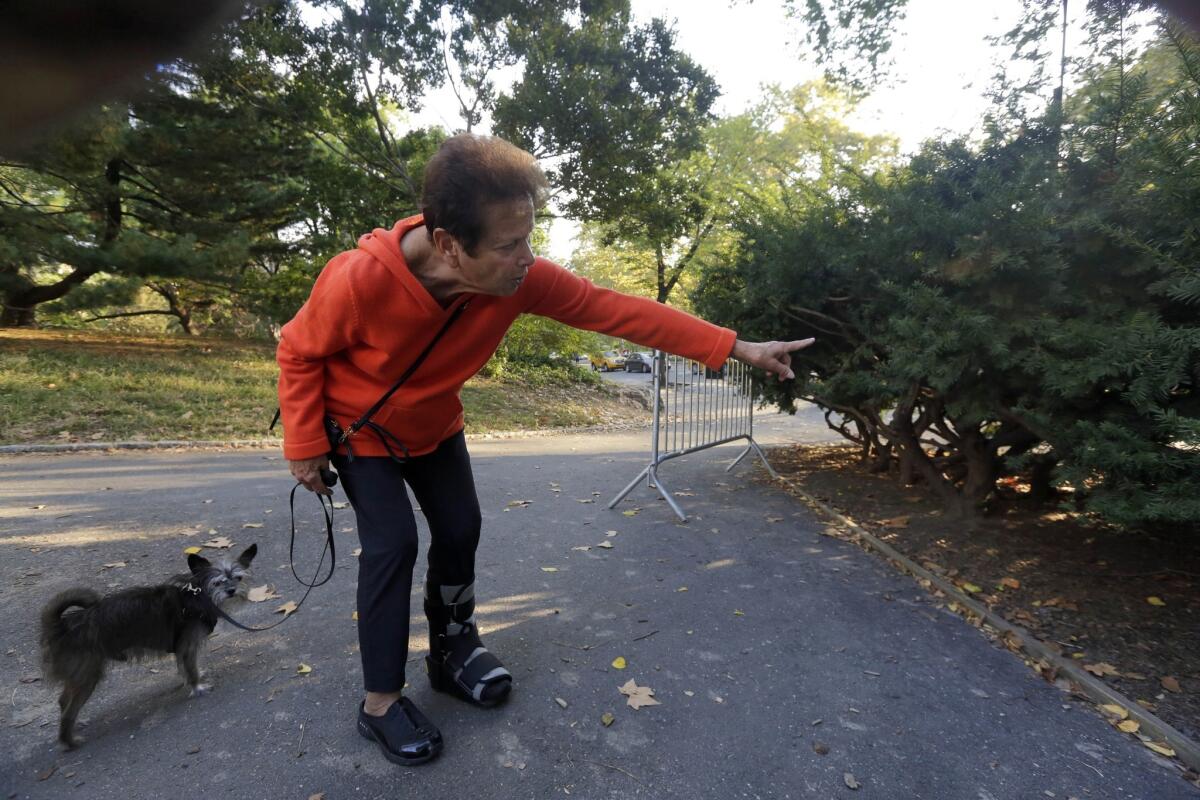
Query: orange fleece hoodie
{"points": [[368, 317]]}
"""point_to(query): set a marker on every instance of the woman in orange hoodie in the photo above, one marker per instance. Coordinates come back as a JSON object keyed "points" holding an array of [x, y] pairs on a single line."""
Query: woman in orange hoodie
{"points": [[465, 261]]}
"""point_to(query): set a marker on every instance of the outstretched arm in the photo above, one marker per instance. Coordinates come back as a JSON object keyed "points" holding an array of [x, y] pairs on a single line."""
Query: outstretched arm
{"points": [[774, 357]]}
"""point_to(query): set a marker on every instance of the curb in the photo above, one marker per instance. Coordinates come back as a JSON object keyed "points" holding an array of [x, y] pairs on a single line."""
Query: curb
{"points": [[167, 444], [1187, 751], [238, 444]]}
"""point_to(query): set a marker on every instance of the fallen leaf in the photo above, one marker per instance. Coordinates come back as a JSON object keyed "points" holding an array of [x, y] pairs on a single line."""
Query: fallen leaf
{"points": [[850, 780], [191, 551], [1129, 725], [549, 569], [317, 796], [605, 545], [1114, 710], [610, 533], [220, 543], [638, 695], [820, 748], [519, 503], [895, 522], [1010, 583], [114, 565], [354, 616], [1171, 684], [1155, 601], [737, 613], [252, 524], [1101, 669], [631, 512], [561, 702], [588, 500], [262, 593], [681, 589], [619, 662], [1161, 749], [970, 587], [607, 719], [774, 519], [583, 548], [45, 774], [191, 751], [303, 669], [287, 608]]}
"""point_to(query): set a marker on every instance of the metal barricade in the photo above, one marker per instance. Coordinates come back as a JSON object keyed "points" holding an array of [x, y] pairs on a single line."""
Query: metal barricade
{"points": [[696, 408]]}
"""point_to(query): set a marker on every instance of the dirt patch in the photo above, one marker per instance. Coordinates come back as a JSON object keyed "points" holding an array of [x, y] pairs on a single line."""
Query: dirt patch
{"points": [[1126, 604]]}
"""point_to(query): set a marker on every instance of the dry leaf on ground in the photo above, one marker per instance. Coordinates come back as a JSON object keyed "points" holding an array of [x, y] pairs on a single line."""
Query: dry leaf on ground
{"points": [[1010, 583], [619, 662], [850, 780], [1155, 601], [1101, 669], [606, 545], [607, 719], [549, 569], [1171, 684], [1129, 725], [220, 543], [1161, 749], [114, 564], [262, 593], [638, 695], [287, 608], [895, 522], [252, 524], [519, 503], [191, 551], [1114, 710], [303, 669]]}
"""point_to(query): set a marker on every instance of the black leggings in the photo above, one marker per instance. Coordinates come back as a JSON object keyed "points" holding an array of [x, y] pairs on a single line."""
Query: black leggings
{"points": [[443, 485]]}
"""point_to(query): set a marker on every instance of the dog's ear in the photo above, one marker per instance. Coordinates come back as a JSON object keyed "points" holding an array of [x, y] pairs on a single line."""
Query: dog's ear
{"points": [[247, 556], [197, 562]]}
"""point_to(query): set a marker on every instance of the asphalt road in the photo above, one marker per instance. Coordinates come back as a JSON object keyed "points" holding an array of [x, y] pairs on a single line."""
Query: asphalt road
{"points": [[788, 664]]}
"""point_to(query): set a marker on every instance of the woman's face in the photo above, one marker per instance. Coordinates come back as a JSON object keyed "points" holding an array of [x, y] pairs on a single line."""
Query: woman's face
{"points": [[503, 256]]}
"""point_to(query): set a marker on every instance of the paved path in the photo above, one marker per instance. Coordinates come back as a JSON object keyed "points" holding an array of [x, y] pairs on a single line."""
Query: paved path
{"points": [[764, 641]]}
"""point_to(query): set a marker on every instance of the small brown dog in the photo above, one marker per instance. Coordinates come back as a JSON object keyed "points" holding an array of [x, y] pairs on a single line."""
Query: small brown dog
{"points": [[133, 624]]}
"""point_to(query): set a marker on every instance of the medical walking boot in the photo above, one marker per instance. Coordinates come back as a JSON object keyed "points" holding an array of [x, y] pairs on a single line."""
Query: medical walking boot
{"points": [[458, 663]]}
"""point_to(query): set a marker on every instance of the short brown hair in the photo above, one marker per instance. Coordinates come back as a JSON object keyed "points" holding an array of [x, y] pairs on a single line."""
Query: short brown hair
{"points": [[469, 172]]}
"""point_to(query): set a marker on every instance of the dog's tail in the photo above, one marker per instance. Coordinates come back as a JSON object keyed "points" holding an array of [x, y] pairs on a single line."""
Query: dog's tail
{"points": [[52, 623]]}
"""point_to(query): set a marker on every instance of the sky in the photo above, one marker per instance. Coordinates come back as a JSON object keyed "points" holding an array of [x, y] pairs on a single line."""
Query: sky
{"points": [[941, 65]]}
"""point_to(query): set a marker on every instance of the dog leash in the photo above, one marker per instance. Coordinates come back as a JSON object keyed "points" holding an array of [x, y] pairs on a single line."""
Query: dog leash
{"points": [[330, 478]]}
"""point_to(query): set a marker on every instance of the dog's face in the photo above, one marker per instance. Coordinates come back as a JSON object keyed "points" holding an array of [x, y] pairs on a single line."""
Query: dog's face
{"points": [[222, 580]]}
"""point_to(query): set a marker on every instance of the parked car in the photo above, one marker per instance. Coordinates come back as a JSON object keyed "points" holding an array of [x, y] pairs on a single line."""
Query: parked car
{"points": [[607, 361], [639, 362]]}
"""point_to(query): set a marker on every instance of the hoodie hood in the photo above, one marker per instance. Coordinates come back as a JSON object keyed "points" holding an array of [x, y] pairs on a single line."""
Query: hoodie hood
{"points": [[383, 244]]}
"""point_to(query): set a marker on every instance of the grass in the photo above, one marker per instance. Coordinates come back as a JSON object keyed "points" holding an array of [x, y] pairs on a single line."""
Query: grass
{"points": [[67, 386]]}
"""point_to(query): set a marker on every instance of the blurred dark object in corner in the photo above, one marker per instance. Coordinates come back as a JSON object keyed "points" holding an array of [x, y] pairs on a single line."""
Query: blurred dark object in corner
{"points": [[62, 57]]}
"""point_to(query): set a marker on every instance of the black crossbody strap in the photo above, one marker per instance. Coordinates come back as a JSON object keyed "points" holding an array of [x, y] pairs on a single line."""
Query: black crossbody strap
{"points": [[413, 367]]}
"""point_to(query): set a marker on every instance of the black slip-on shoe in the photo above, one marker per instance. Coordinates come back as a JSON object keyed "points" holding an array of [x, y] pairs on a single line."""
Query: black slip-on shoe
{"points": [[404, 734]]}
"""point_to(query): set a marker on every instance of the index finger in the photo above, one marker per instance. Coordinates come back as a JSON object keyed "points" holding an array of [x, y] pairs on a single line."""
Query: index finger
{"points": [[798, 344]]}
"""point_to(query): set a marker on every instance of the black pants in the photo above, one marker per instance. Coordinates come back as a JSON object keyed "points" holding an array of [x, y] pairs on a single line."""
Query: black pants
{"points": [[445, 489]]}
